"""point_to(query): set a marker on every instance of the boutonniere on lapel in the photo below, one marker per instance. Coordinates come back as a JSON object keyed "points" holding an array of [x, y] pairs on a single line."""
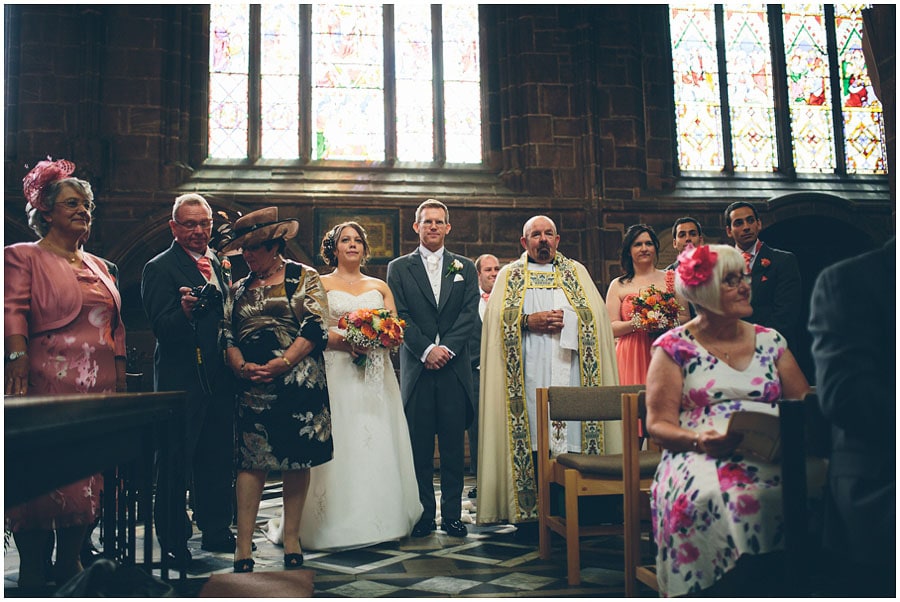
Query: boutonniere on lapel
{"points": [[764, 278], [455, 267], [226, 271], [765, 262]]}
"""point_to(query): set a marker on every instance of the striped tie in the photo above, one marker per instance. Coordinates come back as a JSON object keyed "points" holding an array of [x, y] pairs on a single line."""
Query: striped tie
{"points": [[205, 267]]}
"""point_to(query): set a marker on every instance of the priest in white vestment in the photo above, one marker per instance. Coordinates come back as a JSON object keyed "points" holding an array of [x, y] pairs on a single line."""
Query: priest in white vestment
{"points": [[545, 325]]}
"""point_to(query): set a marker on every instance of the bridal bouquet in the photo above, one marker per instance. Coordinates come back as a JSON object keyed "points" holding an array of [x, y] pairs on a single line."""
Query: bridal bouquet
{"points": [[371, 329], [655, 310]]}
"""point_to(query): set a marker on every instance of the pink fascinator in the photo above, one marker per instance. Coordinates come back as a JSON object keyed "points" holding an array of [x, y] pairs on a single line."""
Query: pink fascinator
{"points": [[695, 264], [42, 174]]}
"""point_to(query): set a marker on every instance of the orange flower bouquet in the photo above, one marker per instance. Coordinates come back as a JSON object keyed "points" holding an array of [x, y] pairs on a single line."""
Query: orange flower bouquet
{"points": [[372, 329], [655, 310]]}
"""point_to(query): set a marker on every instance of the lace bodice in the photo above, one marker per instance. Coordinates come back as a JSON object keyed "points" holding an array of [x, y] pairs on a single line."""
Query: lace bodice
{"points": [[341, 302]]}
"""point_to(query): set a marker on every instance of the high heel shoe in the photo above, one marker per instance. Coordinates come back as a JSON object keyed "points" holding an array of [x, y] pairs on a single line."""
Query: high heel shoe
{"points": [[244, 565], [293, 561]]}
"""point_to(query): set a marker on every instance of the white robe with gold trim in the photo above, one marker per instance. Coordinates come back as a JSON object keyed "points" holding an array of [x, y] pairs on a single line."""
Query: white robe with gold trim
{"points": [[506, 475]]}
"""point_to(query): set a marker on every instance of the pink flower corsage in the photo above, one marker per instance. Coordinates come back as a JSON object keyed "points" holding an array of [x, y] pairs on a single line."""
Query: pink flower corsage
{"points": [[764, 262], [695, 265]]}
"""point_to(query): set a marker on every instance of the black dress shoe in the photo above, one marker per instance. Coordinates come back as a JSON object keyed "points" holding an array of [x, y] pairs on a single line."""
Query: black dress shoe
{"points": [[424, 528], [454, 528], [473, 493]]}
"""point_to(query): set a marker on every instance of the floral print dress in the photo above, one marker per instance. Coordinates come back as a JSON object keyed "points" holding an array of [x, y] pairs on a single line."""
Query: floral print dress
{"points": [[707, 512], [285, 424], [76, 358]]}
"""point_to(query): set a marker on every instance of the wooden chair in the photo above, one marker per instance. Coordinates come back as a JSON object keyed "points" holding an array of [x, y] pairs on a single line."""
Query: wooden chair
{"points": [[580, 475], [638, 477]]}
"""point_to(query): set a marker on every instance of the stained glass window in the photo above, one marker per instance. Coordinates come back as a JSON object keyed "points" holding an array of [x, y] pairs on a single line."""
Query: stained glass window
{"points": [[279, 81], [863, 123], [750, 96], [462, 71], [228, 80], [324, 90], [697, 98], [809, 92], [348, 82], [745, 136], [415, 89]]}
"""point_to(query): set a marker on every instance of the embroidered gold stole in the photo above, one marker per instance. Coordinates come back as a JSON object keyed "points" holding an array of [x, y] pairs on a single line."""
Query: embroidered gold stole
{"points": [[520, 279]]}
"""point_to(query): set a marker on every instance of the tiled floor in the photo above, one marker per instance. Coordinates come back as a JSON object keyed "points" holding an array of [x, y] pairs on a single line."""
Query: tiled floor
{"points": [[490, 562]]}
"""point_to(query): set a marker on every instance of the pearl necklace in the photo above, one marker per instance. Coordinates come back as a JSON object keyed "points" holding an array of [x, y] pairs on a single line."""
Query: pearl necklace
{"points": [[263, 277]]}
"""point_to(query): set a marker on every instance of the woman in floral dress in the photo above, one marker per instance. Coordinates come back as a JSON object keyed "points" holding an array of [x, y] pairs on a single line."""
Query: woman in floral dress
{"points": [[716, 512], [63, 335], [275, 332]]}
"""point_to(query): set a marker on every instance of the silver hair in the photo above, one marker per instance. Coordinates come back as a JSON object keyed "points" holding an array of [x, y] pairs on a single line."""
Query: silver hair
{"points": [[707, 295], [190, 198], [49, 194]]}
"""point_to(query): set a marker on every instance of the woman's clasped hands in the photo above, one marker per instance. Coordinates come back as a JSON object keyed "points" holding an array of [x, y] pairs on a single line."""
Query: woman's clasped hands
{"points": [[263, 373]]}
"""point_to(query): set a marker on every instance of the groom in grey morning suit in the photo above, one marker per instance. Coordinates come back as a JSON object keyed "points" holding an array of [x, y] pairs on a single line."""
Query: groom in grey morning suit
{"points": [[440, 306]]}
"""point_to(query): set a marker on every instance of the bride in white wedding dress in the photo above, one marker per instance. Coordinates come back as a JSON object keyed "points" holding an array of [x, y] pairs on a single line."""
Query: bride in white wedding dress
{"points": [[367, 494]]}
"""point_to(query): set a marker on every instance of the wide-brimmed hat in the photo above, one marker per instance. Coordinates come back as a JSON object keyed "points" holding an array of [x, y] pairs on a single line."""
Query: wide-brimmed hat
{"points": [[259, 226]]}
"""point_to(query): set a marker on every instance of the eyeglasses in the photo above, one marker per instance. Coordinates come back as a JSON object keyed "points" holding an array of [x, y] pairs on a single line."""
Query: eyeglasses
{"points": [[734, 280], [76, 203], [190, 225]]}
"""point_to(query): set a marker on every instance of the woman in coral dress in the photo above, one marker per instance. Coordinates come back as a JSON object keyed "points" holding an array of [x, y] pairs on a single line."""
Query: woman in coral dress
{"points": [[63, 335], [368, 493], [640, 251]]}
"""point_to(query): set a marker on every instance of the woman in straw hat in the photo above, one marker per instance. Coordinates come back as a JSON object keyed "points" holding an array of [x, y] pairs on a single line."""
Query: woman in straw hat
{"points": [[275, 333]]}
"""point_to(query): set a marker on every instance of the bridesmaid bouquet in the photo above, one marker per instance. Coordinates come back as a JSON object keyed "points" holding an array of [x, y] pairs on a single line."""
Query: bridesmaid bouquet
{"points": [[371, 329], [655, 310]]}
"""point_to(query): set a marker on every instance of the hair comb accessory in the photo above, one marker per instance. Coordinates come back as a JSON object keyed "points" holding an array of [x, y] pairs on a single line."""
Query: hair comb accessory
{"points": [[695, 265], [44, 173]]}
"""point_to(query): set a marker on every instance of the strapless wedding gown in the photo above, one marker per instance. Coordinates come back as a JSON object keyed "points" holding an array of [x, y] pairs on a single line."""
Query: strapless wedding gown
{"points": [[368, 493]]}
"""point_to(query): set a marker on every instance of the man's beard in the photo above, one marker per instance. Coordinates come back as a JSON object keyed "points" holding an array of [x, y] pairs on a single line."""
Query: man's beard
{"points": [[543, 253]]}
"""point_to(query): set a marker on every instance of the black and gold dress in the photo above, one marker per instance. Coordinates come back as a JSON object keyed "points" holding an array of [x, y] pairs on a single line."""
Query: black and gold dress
{"points": [[285, 424]]}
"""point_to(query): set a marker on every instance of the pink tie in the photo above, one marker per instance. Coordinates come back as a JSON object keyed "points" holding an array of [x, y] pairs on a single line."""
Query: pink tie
{"points": [[485, 296], [205, 267], [747, 259]]}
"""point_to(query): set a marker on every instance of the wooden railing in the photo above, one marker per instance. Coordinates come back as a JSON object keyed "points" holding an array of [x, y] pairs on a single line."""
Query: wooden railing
{"points": [[51, 441]]}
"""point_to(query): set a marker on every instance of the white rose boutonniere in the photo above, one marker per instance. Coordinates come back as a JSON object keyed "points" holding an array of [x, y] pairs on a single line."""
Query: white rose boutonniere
{"points": [[455, 267]]}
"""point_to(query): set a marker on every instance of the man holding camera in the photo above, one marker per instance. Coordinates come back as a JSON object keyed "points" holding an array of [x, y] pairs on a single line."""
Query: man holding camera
{"points": [[183, 291]]}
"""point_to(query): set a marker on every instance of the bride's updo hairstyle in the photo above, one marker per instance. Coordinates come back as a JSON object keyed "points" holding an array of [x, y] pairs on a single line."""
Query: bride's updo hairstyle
{"points": [[330, 240], [700, 272]]}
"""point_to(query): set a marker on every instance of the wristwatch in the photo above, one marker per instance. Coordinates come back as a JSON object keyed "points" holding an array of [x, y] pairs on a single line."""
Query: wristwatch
{"points": [[14, 356]]}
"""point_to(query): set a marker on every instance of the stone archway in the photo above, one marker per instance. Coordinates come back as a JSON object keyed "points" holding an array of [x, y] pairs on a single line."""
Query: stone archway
{"points": [[820, 230]]}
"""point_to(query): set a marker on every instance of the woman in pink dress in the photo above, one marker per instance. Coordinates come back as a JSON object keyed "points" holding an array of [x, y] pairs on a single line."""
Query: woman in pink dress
{"points": [[64, 335], [640, 251]]}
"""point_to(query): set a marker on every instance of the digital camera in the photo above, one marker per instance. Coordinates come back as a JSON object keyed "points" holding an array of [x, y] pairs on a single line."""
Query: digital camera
{"points": [[207, 295]]}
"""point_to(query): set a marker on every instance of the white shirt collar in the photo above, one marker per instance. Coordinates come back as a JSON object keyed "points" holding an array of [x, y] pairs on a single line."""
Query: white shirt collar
{"points": [[426, 253]]}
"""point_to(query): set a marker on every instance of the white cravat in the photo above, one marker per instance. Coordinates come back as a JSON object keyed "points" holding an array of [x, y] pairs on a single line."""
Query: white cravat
{"points": [[433, 267]]}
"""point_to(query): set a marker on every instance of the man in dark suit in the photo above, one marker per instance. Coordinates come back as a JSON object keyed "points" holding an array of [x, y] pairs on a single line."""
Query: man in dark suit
{"points": [[188, 357], [440, 305], [686, 230], [856, 382], [775, 292]]}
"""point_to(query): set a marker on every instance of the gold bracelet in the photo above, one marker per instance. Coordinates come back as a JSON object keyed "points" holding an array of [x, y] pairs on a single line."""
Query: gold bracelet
{"points": [[286, 361]]}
